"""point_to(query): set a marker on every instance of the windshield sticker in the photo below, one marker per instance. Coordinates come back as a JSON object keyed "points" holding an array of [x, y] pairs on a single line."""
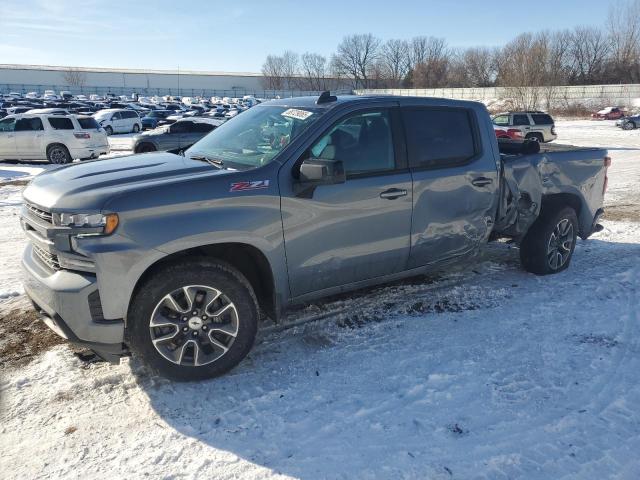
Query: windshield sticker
{"points": [[295, 113], [244, 186]]}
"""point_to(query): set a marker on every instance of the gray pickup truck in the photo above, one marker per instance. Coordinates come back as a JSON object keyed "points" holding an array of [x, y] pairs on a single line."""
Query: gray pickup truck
{"points": [[176, 258]]}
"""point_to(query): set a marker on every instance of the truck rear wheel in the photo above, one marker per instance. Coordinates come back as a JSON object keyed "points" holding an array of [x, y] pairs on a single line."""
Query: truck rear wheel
{"points": [[549, 244], [193, 320]]}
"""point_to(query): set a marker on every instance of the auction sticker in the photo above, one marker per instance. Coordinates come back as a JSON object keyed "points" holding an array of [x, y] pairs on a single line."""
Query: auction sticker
{"points": [[295, 113]]}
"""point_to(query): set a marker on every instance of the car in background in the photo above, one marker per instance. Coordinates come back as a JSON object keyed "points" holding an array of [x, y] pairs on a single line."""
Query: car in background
{"points": [[629, 123], [17, 110], [56, 138], [66, 95], [533, 125], [154, 118], [173, 138], [609, 113], [118, 120], [508, 133]]}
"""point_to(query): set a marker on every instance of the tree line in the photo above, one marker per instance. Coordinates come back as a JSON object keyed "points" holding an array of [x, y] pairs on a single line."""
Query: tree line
{"points": [[584, 55]]}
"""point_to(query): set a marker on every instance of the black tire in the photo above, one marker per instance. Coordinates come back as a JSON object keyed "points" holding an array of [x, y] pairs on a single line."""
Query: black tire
{"points": [[535, 136], [537, 253], [108, 130], [58, 154], [145, 148], [218, 275], [136, 128], [628, 126]]}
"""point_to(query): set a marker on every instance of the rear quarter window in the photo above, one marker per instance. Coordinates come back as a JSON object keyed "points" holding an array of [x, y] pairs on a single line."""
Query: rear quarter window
{"points": [[542, 119], [60, 123], [88, 123], [439, 138]]}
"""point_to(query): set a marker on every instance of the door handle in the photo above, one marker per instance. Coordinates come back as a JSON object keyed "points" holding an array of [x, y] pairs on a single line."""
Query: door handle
{"points": [[393, 193], [481, 181]]}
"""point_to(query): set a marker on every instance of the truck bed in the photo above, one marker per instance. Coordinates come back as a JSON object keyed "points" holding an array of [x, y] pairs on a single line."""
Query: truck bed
{"points": [[528, 180]]}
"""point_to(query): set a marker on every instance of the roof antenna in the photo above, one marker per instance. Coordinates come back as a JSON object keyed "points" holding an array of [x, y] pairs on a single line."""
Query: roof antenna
{"points": [[326, 97]]}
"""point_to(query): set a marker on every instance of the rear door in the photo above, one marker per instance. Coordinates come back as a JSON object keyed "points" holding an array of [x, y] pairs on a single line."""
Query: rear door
{"points": [[29, 137], [117, 123], [354, 231], [7, 138], [521, 122], [454, 182], [197, 130]]}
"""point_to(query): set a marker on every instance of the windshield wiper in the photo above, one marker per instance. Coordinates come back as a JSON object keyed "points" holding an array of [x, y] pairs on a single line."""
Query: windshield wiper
{"points": [[212, 161]]}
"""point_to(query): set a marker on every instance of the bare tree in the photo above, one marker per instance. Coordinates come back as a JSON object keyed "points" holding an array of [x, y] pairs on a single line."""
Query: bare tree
{"points": [[395, 61], [589, 50], [314, 72], [355, 58], [74, 77], [290, 62], [430, 61], [273, 73], [476, 67], [624, 33]]}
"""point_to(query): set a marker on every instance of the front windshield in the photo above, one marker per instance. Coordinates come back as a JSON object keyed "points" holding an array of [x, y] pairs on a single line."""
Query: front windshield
{"points": [[255, 137]]}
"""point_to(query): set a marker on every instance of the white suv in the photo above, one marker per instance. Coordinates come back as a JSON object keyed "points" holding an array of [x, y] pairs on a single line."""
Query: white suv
{"points": [[533, 125], [118, 120], [57, 138]]}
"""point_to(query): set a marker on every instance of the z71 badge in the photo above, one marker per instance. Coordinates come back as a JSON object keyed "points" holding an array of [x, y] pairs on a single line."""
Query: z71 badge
{"points": [[244, 186]]}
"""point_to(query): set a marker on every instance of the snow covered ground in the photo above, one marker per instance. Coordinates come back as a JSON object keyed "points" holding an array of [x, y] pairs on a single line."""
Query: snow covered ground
{"points": [[483, 373]]}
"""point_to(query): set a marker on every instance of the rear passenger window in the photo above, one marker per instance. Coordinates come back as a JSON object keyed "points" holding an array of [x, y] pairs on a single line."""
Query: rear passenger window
{"points": [[501, 120], [60, 123], [202, 127], [541, 119], [438, 138], [520, 120], [29, 125]]}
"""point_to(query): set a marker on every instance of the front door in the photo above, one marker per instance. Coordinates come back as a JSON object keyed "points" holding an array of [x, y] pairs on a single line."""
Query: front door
{"points": [[354, 231], [7, 138], [29, 134]]}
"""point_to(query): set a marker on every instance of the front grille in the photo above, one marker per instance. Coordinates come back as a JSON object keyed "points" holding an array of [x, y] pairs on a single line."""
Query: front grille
{"points": [[38, 212], [48, 259]]}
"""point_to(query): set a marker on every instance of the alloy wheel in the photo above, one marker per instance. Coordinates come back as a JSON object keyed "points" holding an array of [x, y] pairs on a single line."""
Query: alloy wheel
{"points": [[194, 325], [560, 244]]}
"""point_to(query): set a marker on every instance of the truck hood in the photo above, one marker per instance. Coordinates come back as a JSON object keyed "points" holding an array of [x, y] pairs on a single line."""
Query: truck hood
{"points": [[88, 185]]}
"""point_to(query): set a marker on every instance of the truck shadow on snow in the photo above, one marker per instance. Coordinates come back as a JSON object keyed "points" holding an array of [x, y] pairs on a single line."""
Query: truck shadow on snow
{"points": [[404, 376]]}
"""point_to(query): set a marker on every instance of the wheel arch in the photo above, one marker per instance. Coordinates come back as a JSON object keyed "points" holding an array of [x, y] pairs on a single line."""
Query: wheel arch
{"points": [[247, 259], [556, 201]]}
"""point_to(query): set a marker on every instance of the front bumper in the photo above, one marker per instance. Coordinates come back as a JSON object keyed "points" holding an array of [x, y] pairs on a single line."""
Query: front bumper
{"points": [[66, 303]]}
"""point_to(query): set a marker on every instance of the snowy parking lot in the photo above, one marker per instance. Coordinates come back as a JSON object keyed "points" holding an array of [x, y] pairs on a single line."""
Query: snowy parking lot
{"points": [[484, 372]]}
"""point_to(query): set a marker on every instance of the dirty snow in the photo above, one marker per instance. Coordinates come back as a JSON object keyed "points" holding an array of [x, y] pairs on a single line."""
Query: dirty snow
{"points": [[483, 373]]}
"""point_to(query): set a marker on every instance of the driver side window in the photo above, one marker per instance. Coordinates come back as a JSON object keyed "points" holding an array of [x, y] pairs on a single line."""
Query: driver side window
{"points": [[362, 141]]}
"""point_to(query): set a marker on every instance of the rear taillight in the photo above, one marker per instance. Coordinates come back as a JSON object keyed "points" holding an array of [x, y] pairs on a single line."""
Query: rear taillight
{"points": [[553, 130], [514, 133], [607, 164], [82, 135]]}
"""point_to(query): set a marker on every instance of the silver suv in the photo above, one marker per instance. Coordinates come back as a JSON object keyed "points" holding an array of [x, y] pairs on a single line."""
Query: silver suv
{"points": [[533, 125]]}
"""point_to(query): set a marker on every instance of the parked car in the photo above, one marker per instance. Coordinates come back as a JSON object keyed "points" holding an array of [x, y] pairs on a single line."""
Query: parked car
{"points": [[177, 258], [152, 119], [178, 136], [118, 120], [533, 125], [609, 113], [629, 123], [56, 138], [66, 95]]}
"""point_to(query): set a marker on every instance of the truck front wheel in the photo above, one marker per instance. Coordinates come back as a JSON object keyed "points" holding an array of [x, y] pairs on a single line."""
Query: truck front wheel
{"points": [[194, 320], [549, 244]]}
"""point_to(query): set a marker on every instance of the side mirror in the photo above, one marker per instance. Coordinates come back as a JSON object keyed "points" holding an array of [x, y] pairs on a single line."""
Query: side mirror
{"points": [[321, 172]]}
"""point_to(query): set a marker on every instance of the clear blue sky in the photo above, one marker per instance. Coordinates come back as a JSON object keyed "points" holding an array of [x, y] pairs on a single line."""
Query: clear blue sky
{"points": [[236, 35]]}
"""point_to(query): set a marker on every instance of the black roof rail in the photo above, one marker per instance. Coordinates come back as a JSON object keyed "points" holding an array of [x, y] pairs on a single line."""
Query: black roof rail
{"points": [[326, 97]]}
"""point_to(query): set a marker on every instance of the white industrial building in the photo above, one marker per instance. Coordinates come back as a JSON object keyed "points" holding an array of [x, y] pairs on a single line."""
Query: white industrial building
{"points": [[26, 78]]}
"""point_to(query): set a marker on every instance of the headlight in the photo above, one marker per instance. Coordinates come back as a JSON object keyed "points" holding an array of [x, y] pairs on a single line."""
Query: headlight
{"points": [[108, 223]]}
